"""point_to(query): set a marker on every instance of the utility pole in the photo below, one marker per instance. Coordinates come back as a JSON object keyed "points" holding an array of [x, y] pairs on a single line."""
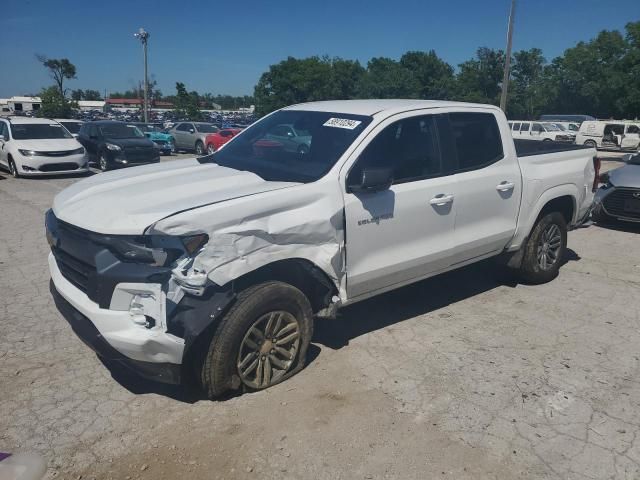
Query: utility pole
{"points": [[144, 37], [507, 60]]}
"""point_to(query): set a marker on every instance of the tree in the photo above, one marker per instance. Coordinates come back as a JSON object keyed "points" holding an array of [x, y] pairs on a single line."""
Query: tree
{"points": [[294, 81], [528, 93], [434, 75], [480, 78], [54, 104], [92, 95], [77, 94], [186, 104], [59, 70], [386, 78]]}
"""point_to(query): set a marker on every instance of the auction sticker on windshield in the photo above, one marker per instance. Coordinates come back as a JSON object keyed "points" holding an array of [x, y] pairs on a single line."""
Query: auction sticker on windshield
{"points": [[342, 123]]}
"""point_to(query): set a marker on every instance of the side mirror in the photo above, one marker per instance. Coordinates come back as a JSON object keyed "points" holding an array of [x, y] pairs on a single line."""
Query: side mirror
{"points": [[373, 180], [191, 130]]}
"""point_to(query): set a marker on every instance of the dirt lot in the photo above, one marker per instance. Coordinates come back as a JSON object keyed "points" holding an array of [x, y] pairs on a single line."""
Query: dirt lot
{"points": [[460, 376]]}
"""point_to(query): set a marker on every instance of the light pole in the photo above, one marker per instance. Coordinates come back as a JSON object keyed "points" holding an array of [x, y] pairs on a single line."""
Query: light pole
{"points": [[507, 60], [144, 38]]}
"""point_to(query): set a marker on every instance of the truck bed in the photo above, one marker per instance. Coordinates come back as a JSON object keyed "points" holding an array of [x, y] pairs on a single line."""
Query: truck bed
{"points": [[525, 148]]}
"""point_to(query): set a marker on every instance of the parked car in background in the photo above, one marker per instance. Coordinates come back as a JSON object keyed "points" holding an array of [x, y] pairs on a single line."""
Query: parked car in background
{"points": [[610, 135], [542, 131], [565, 118], [39, 146], [192, 136], [571, 127], [116, 144], [219, 265], [214, 141], [154, 132], [619, 196], [73, 126], [293, 139]]}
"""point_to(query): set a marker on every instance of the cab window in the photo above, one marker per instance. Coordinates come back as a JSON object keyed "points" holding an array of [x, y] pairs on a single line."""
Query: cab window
{"points": [[409, 146]]}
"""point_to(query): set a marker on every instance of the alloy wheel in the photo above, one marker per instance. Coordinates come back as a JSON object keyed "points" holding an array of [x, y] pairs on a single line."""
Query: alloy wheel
{"points": [[549, 247], [268, 349]]}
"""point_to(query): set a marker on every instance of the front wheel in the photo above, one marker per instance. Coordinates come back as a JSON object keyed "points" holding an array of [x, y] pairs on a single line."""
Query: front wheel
{"points": [[210, 149], [545, 249], [103, 163], [13, 170], [260, 342]]}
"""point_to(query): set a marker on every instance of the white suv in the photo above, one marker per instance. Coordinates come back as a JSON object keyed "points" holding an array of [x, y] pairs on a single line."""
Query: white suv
{"points": [[38, 146]]}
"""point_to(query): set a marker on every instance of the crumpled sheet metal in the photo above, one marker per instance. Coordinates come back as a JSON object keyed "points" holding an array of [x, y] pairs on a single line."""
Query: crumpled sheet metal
{"points": [[250, 232]]}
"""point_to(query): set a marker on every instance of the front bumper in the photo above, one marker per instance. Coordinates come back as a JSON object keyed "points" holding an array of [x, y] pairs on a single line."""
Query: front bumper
{"points": [[607, 203], [151, 352], [44, 165]]}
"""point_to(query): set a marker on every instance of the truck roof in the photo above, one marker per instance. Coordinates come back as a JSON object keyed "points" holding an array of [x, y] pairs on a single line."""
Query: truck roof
{"points": [[375, 106]]}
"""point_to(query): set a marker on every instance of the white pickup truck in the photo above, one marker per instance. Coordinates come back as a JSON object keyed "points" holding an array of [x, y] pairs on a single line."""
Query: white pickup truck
{"points": [[218, 265]]}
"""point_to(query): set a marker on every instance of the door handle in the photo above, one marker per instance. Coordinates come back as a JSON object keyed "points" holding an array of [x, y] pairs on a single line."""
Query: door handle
{"points": [[505, 186], [440, 200]]}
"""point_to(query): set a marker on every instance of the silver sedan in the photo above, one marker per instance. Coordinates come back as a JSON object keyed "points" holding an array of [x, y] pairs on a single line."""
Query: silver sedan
{"points": [[619, 196]]}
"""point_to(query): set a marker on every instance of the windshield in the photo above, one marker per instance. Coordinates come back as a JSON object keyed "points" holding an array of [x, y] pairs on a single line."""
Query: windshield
{"points": [[120, 130], [206, 128], [292, 145], [73, 127], [552, 127], [635, 160], [38, 131]]}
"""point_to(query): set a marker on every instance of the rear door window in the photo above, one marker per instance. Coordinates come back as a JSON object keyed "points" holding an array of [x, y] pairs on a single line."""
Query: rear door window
{"points": [[525, 127], [516, 127], [477, 140]]}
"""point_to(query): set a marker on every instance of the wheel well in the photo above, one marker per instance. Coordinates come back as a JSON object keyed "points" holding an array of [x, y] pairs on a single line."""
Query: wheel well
{"points": [[563, 205], [300, 273]]}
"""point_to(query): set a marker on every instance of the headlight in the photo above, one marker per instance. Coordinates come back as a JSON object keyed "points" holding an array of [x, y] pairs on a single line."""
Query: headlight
{"points": [[113, 147], [155, 250], [28, 153]]}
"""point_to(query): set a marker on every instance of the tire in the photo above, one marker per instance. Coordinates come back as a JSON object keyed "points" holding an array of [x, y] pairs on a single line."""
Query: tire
{"points": [[210, 149], [303, 150], [549, 229], [590, 143], [547, 140], [103, 162], [200, 148], [274, 306], [13, 170]]}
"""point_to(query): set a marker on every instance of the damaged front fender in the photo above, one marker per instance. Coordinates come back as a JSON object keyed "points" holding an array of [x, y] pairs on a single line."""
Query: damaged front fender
{"points": [[304, 222]]}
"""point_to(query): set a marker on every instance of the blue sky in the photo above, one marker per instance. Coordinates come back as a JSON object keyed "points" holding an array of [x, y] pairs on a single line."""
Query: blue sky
{"points": [[223, 47]]}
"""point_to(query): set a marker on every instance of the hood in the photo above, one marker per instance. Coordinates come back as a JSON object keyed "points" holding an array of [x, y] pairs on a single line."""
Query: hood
{"points": [[128, 201], [130, 142], [49, 145], [627, 176]]}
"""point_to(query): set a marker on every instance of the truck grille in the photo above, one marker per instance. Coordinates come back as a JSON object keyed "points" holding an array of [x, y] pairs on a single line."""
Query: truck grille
{"points": [[58, 167], [74, 270], [623, 202]]}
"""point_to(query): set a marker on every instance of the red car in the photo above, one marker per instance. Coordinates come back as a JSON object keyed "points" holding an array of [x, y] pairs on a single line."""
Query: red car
{"points": [[215, 140]]}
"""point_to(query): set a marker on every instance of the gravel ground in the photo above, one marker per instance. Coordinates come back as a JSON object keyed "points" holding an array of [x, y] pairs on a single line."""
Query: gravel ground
{"points": [[461, 376]]}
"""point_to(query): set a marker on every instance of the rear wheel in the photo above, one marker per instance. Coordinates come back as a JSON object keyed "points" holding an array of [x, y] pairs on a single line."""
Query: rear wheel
{"points": [[260, 342], [544, 249], [590, 143], [210, 149], [199, 148]]}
